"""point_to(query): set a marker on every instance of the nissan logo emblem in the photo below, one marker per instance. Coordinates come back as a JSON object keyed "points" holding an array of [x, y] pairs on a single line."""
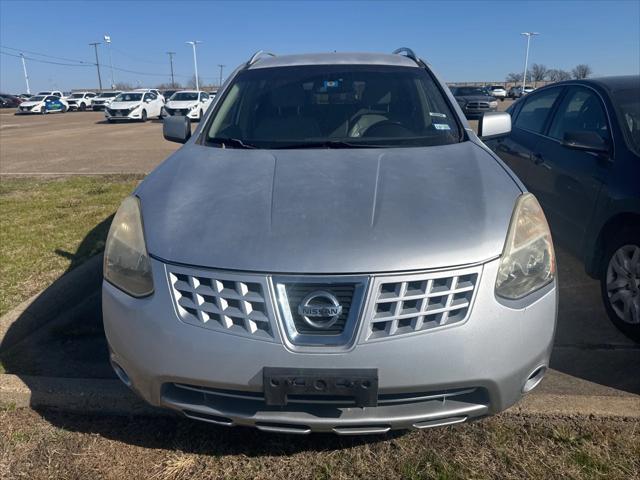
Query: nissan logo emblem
{"points": [[320, 309]]}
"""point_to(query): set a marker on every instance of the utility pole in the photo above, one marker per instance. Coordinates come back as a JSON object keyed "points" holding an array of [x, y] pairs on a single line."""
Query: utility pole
{"points": [[95, 46], [220, 82], [107, 38], [171, 54], [26, 75], [526, 57], [195, 60]]}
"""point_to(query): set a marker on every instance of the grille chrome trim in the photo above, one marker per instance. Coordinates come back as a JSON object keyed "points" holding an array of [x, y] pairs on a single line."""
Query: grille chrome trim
{"points": [[409, 304], [238, 304]]}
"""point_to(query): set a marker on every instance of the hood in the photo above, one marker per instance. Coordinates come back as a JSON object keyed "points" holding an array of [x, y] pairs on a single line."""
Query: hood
{"points": [[31, 104], [475, 98], [124, 105], [329, 210], [182, 104]]}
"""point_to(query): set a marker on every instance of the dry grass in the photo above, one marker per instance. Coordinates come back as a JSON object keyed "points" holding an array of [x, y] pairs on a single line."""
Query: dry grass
{"points": [[48, 445], [50, 225]]}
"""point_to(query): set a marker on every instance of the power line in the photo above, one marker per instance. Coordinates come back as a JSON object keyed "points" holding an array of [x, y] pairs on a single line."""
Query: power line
{"points": [[47, 61], [46, 55]]}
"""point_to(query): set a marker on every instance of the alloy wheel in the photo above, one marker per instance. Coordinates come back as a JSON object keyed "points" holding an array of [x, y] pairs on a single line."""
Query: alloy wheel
{"points": [[623, 283]]}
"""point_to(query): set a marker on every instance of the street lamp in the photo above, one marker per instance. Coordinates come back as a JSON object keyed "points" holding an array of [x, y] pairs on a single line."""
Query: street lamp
{"points": [[526, 57], [195, 60], [107, 39]]}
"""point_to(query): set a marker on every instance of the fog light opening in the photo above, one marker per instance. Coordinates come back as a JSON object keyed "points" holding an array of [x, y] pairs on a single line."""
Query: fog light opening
{"points": [[122, 375], [534, 379]]}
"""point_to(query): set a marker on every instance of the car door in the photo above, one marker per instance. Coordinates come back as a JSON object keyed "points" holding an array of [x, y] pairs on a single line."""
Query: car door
{"points": [[529, 122], [567, 181]]}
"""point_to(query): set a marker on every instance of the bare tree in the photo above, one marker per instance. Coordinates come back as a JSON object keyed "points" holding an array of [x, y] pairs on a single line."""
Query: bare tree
{"points": [[538, 72], [169, 86], [581, 71], [557, 75], [192, 81], [123, 86], [514, 77]]}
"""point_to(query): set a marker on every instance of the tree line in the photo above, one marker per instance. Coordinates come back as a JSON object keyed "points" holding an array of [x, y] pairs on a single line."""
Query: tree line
{"points": [[540, 73]]}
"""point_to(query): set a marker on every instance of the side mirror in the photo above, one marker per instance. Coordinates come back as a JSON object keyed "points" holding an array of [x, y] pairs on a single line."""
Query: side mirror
{"points": [[494, 124], [176, 129], [586, 141]]}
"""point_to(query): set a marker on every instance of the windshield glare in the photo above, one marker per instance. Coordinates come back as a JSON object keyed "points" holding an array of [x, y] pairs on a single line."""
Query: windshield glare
{"points": [[184, 96], [128, 97], [335, 106]]}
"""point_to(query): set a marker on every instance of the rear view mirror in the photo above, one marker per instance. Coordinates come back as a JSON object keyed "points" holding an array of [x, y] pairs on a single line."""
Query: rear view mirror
{"points": [[494, 124], [176, 129], [585, 140]]}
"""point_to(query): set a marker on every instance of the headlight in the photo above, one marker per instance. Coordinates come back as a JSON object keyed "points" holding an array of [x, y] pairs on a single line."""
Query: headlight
{"points": [[493, 104], [126, 263], [528, 261], [194, 106], [131, 109]]}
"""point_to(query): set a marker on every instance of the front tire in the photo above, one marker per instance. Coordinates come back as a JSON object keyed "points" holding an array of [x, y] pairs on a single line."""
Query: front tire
{"points": [[620, 281], [82, 107], [143, 116]]}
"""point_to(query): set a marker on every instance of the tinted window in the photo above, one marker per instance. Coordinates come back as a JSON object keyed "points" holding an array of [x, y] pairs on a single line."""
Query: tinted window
{"points": [[580, 111], [535, 111], [128, 97], [287, 107], [185, 96], [627, 103]]}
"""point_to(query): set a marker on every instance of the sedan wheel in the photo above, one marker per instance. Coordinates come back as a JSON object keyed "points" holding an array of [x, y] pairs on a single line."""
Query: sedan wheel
{"points": [[143, 116], [621, 286]]}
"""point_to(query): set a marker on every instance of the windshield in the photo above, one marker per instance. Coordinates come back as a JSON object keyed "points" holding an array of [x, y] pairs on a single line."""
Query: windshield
{"points": [[43, 93], [107, 95], [627, 104], [128, 97], [497, 87], [334, 106], [77, 95], [469, 91], [37, 98], [184, 96]]}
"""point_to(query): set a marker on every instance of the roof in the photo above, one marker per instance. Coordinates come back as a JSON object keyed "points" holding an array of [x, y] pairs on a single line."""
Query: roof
{"points": [[334, 59], [621, 82]]}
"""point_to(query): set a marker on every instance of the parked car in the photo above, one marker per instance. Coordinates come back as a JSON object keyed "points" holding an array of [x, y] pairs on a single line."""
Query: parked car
{"points": [[167, 94], [42, 104], [24, 96], [80, 101], [154, 90], [576, 146], [190, 103], [336, 237], [134, 106], [514, 92], [103, 100], [56, 93], [9, 101], [498, 91], [474, 101]]}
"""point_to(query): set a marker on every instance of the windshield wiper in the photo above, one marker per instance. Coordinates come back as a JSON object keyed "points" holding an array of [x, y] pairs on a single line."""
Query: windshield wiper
{"points": [[327, 144], [231, 142]]}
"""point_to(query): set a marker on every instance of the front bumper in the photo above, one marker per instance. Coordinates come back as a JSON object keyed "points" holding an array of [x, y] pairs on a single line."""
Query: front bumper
{"points": [[193, 114], [122, 115], [437, 377]]}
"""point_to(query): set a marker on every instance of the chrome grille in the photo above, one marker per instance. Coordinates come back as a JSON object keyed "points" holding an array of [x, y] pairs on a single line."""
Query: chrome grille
{"points": [[478, 105], [237, 304], [410, 304]]}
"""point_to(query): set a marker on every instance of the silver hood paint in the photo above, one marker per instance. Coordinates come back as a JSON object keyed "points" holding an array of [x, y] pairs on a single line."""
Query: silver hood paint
{"points": [[328, 210]]}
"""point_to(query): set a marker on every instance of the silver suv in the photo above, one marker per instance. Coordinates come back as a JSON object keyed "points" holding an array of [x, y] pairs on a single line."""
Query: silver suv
{"points": [[333, 249]]}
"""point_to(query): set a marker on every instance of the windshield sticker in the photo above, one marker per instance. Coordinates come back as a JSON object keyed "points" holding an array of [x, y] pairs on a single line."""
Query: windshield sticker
{"points": [[331, 83], [441, 126], [437, 114]]}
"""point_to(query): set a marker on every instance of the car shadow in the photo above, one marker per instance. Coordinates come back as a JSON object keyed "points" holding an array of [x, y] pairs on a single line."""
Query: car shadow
{"points": [[73, 345]]}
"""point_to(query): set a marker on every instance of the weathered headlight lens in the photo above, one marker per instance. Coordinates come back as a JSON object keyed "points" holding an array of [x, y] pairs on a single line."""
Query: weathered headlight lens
{"points": [[126, 262], [528, 260]]}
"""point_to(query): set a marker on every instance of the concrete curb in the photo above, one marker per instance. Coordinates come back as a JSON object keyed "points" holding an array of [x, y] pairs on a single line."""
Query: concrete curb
{"points": [[45, 306], [84, 396]]}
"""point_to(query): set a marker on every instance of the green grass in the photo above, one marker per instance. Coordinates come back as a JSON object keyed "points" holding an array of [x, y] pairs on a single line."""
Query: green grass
{"points": [[51, 225]]}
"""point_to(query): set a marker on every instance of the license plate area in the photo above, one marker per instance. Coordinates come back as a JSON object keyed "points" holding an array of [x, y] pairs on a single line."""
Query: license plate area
{"points": [[357, 385]]}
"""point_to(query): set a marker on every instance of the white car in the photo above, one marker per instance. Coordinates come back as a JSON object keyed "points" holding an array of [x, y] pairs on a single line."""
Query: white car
{"points": [[103, 100], [42, 104], [80, 101], [498, 91], [134, 106], [188, 103], [154, 90], [57, 93]]}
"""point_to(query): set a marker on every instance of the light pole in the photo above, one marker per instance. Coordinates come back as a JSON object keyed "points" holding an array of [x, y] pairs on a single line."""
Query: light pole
{"points": [[95, 46], [220, 82], [107, 39], [171, 54], [26, 75], [195, 60], [526, 57]]}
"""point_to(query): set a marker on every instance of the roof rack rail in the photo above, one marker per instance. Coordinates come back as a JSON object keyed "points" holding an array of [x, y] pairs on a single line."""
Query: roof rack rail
{"points": [[256, 56], [407, 52]]}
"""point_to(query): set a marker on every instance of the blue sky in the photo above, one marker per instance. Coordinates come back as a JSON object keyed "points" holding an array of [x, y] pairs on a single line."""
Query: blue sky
{"points": [[474, 41]]}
